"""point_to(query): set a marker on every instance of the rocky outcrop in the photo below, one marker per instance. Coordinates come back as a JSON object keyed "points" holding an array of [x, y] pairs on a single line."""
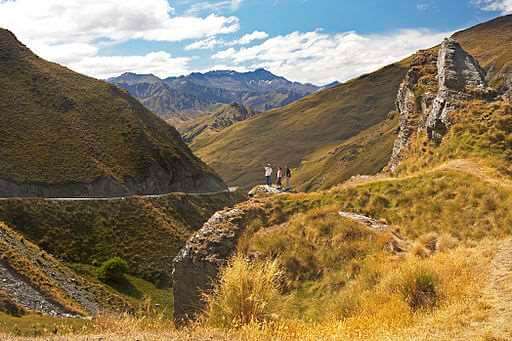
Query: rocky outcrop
{"points": [[264, 189], [198, 264], [434, 87], [411, 103], [460, 77]]}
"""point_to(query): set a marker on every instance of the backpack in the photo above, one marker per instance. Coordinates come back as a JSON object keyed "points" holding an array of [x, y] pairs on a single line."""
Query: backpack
{"points": [[288, 173]]}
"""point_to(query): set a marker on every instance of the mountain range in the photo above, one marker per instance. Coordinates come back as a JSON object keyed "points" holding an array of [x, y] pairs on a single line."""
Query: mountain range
{"points": [[258, 90]]}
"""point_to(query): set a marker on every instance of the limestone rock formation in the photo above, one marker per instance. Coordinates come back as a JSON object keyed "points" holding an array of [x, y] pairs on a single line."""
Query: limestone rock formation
{"points": [[412, 105], [198, 264]]}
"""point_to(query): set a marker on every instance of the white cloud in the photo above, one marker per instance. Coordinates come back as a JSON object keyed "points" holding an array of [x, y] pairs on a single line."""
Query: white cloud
{"points": [[205, 44], [72, 32], [212, 42], [321, 58], [249, 38], [502, 6]]}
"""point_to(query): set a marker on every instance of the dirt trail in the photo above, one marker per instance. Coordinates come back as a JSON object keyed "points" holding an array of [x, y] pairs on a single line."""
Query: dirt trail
{"points": [[498, 296], [467, 166]]}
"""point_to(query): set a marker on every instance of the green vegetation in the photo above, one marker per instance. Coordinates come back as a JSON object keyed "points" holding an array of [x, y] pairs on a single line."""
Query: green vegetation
{"points": [[144, 296], [113, 270], [293, 133], [146, 232]]}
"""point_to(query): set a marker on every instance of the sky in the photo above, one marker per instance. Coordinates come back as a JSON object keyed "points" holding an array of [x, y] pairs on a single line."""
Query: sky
{"points": [[316, 41]]}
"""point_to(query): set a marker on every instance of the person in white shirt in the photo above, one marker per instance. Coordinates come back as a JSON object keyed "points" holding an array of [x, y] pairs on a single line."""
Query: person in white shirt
{"points": [[279, 177], [268, 174]]}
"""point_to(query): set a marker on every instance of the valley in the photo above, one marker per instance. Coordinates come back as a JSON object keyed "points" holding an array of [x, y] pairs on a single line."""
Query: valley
{"points": [[116, 225]]}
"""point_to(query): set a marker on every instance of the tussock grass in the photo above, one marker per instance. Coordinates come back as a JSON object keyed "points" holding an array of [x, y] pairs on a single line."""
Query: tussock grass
{"points": [[248, 292]]}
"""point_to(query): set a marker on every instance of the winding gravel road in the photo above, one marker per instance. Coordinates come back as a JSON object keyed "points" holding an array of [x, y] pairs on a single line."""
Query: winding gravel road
{"points": [[149, 196]]}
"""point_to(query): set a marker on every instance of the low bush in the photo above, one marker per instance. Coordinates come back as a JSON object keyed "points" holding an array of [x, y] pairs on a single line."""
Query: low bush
{"points": [[418, 285], [113, 270]]}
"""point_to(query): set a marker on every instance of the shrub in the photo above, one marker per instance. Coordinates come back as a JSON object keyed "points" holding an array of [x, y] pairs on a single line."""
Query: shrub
{"points": [[113, 270], [418, 286], [247, 292]]}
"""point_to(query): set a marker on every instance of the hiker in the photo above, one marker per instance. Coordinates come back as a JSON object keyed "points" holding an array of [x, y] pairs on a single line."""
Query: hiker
{"points": [[288, 176], [268, 174], [279, 177]]}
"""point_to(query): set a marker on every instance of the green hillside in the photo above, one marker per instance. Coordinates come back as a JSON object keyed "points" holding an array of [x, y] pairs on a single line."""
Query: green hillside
{"points": [[62, 133], [288, 135]]}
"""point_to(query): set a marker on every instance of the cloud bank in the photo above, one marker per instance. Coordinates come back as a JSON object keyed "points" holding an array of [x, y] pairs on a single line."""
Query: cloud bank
{"points": [[73, 31], [319, 57]]}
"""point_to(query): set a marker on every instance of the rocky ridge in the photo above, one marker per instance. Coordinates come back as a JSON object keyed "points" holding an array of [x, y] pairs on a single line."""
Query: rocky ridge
{"points": [[40, 283]]}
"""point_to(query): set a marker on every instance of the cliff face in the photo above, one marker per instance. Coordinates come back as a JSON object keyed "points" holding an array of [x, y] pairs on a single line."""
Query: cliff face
{"points": [[65, 134], [436, 84]]}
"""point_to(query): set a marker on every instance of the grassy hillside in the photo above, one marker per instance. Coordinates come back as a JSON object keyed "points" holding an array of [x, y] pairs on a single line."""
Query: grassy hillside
{"points": [[290, 134], [60, 127], [366, 153], [318, 134]]}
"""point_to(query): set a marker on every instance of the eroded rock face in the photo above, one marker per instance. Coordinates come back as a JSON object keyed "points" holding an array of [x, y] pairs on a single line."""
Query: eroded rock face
{"points": [[434, 87], [197, 265]]}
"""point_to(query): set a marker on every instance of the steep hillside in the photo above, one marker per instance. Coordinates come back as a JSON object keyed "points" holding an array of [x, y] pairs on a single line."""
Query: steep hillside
{"points": [[291, 134], [259, 90], [366, 153], [35, 281], [64, 134]]}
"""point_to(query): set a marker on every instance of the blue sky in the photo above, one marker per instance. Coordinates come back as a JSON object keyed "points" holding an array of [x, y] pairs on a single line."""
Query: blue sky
{"points": [[306, 40]]}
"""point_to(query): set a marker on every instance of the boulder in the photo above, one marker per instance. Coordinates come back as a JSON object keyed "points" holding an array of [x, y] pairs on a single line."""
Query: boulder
{"points": [[264, 189]]}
